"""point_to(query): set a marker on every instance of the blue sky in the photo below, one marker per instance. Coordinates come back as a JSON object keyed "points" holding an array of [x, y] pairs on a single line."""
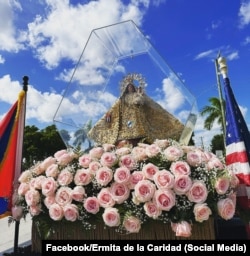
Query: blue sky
{"points": [[44, 39]]}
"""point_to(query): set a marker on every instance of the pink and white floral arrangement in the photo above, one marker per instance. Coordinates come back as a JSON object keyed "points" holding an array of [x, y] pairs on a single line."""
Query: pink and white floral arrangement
{"points": [[126, 187]]}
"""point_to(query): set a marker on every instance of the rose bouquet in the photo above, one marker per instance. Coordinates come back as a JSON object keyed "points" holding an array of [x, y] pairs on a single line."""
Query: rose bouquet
{"points": [[126, 187]]}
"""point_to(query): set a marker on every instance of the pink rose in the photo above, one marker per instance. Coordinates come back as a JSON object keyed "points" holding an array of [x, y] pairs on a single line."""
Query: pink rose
{"points": [[35, 210], [63, 196], [78, 193], [132, 224], [180, 168], [122, 174], [233, 197], [111, 217], [32, 183], [70, 212], [123, 144], [198, 192], [49, 200], [187, 149], [164, 179], [153, 150], [52, 171], [123, 151], [173, 153], [32, 197], [108, 147], [194, 158], [120, 192], [150, 170], [182, 229], [152, 210], [85, 160], [226, 208], [206, 155], [82, 177], [164, 199], [105, 198], [134, 178], [38, 181], [215, 163], [139, 153], [104, 175], [201, 212], [182, 184], [17, 212], [59, 153], [96, 153], [222, 185], [108, 159], [23, 188], [49, 186], [91, 205], [56, 212], [65, 158], [144, 190], [94, 166], [128, 161], [37, 169], [65, 177], [47, 162], [162, 143], [234, 181], [25, 177]]}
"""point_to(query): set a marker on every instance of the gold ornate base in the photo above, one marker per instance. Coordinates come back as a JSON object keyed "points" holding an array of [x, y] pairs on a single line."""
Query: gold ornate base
{"points": [[153, 231]]}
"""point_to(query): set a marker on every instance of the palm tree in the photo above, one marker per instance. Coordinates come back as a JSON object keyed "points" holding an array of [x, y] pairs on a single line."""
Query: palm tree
{"points": [[81, 135], [213, 113]]}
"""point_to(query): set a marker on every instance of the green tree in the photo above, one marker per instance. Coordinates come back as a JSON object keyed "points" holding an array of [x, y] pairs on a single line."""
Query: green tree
{"points": [[51, 141], [213, 112], [39, 144], [217, 143], [31, 144]]}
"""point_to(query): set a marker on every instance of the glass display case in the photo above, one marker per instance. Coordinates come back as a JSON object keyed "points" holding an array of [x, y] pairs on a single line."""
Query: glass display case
{"points": [[111, 54]]}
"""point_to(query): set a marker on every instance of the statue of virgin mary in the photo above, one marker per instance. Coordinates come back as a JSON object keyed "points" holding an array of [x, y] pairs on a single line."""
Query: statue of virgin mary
{"points": [[135, 117]]}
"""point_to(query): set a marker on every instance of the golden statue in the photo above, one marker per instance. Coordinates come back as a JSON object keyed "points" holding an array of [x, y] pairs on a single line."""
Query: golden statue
{"points": [[135, 117]]}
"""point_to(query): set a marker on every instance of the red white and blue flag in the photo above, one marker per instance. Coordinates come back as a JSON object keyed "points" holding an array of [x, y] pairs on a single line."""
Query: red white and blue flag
{"points": [[11, 143], [237, 144]]}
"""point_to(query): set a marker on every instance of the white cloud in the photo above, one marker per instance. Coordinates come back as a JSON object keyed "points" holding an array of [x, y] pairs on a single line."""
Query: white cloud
{"points": [[64, 31], [244, 14], [2, 60], [57, 34], [212, 54], [247, 40], [233, 56], [173, 98], [10, 89], [205, 54], [8, 41]]}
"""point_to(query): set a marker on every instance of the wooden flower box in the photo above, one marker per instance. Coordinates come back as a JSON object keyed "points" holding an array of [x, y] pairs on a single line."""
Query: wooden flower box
{"points": [[154, 231]]}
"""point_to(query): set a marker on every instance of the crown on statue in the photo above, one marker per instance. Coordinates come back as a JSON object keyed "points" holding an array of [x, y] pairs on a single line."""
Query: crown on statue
{"points": [[130, 79]]}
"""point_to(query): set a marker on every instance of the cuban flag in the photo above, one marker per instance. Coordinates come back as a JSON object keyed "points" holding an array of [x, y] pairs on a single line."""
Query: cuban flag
{"points": [[11, 143], [237, 144]]}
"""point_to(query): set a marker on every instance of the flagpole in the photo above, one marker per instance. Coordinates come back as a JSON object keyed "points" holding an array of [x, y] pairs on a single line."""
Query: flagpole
{"points": [[17, 222], [221, 100]]}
